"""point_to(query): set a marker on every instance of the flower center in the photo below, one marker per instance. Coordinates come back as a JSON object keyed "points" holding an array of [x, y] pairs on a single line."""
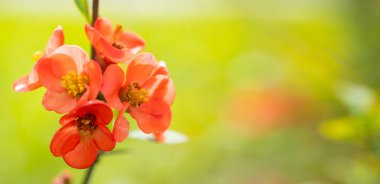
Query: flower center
{"points": [[74, 84], [86, 125], [134, 94]]}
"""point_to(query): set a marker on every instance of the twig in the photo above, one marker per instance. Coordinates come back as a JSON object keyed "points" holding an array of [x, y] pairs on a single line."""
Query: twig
{"points": [[95, 14]]}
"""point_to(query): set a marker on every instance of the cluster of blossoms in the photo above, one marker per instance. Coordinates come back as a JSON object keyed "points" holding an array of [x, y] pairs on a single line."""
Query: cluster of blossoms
{"points": [[85, 90]]}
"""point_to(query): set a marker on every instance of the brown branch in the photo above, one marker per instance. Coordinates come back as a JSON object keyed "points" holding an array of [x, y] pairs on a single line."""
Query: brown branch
{"points": [[95, 14]]}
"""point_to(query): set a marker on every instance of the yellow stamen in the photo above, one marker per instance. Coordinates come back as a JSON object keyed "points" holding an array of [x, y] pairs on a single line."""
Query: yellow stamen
{"points": [[115, 37], [74, 84], [37, 55], [134, 95], [117, 32]]}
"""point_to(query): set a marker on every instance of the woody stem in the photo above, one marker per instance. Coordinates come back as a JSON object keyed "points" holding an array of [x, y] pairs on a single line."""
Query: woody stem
{"points": [[95, 13]]}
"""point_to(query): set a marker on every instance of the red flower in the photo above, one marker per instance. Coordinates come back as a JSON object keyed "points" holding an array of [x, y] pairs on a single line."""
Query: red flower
{"points": [[113, 45], [70, 77], [31, 81], [83, 134], [145, 91]]}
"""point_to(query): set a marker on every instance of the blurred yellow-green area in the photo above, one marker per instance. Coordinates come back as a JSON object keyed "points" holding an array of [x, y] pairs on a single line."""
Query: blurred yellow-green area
{"points": [[268, 92]]}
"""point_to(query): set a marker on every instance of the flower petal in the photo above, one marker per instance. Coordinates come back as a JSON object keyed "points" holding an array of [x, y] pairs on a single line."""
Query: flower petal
{"points": [[21, 85], [104, 26], [78, 55], [28, 82], [161, 96], [150, 123], [103, 138], [62, 63], [110, 52], [65, 139], [56, 40], [67, 118], [141, 68], [46, 75], [84, 98], [161, 69], [58, 101], [24, 84], [170, 93], [95, 78], [71, 142], [83, 155], [131, 41], [51, 69], [102, 46], [121, 128], [113, 79], [99, 109]]}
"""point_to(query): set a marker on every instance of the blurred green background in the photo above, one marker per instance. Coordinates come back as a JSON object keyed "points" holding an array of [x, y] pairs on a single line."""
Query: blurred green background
{"points": [[268, 92]]}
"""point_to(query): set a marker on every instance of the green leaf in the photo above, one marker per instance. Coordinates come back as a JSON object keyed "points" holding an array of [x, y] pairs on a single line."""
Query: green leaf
{"points": [[83, 8]]}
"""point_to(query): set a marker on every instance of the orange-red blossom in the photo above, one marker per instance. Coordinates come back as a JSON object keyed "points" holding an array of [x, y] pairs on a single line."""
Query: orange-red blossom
{"points": [[113, 45], [83, 134], [73, 82], [70, 78], [145, 91]]}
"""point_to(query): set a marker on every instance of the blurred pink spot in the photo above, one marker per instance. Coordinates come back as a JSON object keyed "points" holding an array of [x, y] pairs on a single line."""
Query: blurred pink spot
{"points": [[64, 177], [261, 110]]}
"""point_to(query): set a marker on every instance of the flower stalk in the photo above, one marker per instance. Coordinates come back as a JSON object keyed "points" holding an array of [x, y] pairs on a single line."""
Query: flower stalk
{"points": [[95, 14]]}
